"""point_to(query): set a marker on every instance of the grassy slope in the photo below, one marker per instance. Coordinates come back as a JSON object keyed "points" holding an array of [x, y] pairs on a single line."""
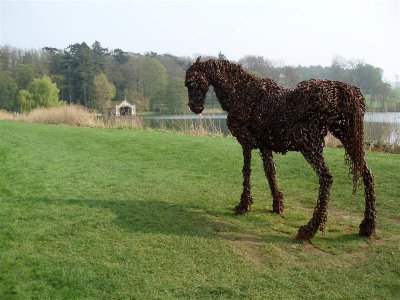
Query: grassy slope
{"points": [[96, 213]]}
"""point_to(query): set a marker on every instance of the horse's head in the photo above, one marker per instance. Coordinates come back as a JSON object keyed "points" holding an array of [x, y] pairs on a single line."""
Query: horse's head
{"points": [[197, 84]]}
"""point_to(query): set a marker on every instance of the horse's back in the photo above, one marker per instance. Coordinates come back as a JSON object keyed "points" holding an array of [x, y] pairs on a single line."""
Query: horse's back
{"points": [[325, 97]]}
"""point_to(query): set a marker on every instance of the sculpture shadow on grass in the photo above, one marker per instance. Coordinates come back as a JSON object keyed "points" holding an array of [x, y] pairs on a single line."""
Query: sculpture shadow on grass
{"points": [[157, 217]]}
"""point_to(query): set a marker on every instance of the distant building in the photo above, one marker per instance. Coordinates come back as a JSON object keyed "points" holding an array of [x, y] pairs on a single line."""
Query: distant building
{"points": [[122, 108]]}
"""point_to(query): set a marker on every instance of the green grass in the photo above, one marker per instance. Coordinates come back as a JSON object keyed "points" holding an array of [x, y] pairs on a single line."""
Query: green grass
{"points": [[118, 214]]}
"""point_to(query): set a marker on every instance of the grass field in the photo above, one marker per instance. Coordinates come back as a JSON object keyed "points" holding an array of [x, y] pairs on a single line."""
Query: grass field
{"points": [[135, 214]]}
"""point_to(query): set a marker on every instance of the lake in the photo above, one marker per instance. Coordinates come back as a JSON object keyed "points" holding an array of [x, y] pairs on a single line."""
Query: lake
{"points": [[378, 126]]}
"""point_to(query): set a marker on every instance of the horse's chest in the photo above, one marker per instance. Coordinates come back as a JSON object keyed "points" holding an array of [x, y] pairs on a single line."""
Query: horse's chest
{"points": [[241, 129]]}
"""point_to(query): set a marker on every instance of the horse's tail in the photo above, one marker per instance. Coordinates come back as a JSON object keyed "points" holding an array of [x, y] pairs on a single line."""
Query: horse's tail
{"points": [[354, 156]]}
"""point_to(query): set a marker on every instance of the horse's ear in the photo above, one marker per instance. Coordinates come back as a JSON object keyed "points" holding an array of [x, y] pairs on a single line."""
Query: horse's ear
{"points": [[198, 60]]}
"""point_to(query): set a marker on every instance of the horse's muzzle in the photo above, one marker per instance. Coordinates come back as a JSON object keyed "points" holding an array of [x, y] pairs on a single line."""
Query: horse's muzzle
{"points": [[197, 109]]}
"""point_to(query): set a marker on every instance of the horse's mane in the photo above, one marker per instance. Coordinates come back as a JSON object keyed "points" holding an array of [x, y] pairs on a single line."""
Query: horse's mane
{"points": [[215, 67], [220, 64]]}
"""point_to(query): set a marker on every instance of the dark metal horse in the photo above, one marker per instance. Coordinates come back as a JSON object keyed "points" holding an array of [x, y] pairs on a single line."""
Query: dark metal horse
{"points": [[265, 116]]}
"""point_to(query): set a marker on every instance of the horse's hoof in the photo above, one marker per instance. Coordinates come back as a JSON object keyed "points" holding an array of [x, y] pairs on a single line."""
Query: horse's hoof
{"points": [[367, 228], [278, 208], [242, 209], [278, 203], [305, 233]]}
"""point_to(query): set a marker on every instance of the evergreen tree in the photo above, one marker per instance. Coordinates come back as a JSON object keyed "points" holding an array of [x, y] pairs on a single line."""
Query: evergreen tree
{"points": [[99, 55], [25, 74], [8, 91], [120, 56], [221, 56]]}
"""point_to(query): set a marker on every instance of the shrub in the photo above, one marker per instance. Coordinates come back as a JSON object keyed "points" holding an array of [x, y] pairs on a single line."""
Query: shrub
{"points": [[42, 92], [74, 115], [6, 115]]}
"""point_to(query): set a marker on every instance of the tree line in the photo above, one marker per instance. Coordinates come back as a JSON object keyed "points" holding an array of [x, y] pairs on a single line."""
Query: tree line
{"points": [[93, 76]]}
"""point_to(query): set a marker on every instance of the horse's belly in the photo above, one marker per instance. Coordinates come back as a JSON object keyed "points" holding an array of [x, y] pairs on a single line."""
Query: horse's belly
{"points": [[274, 138], [273, 143], [259, 136]]}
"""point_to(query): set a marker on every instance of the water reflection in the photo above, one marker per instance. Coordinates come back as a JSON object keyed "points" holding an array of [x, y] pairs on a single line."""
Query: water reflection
{"points": [[384, 127]]}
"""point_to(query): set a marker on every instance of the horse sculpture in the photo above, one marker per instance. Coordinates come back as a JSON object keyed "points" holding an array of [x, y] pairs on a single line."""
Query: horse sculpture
{"points": [[265, 116]]}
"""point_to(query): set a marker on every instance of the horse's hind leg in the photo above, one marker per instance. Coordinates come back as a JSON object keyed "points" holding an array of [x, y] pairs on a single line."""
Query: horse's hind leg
{"points": [[246, 199], [315, 158], [367, 226], [269, 168]]}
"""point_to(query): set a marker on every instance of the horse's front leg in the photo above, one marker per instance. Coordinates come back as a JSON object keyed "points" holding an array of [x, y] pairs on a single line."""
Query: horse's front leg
{"points": [[246, 199], [269, 169]]}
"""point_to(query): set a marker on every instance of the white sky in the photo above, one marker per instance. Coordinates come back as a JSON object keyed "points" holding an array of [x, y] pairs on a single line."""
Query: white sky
{"points": [[306, 32]]}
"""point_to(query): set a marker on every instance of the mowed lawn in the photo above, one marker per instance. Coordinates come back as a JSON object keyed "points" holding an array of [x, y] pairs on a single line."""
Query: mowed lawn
{"points": [[135, 214]]}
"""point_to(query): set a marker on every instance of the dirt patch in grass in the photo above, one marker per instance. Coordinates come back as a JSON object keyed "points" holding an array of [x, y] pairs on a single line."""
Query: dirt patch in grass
{"points": [[310, 248], [249, 249], [247, 246], [395, 219]]}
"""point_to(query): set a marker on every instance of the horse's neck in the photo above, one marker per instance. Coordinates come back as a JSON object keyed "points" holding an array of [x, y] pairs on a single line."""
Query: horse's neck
{"points": [[229, 80], [220, 74], [224, 78]]}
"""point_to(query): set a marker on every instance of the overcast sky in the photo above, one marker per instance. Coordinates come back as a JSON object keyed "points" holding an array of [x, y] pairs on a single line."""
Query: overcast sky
{"points": [[308, 32]]}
